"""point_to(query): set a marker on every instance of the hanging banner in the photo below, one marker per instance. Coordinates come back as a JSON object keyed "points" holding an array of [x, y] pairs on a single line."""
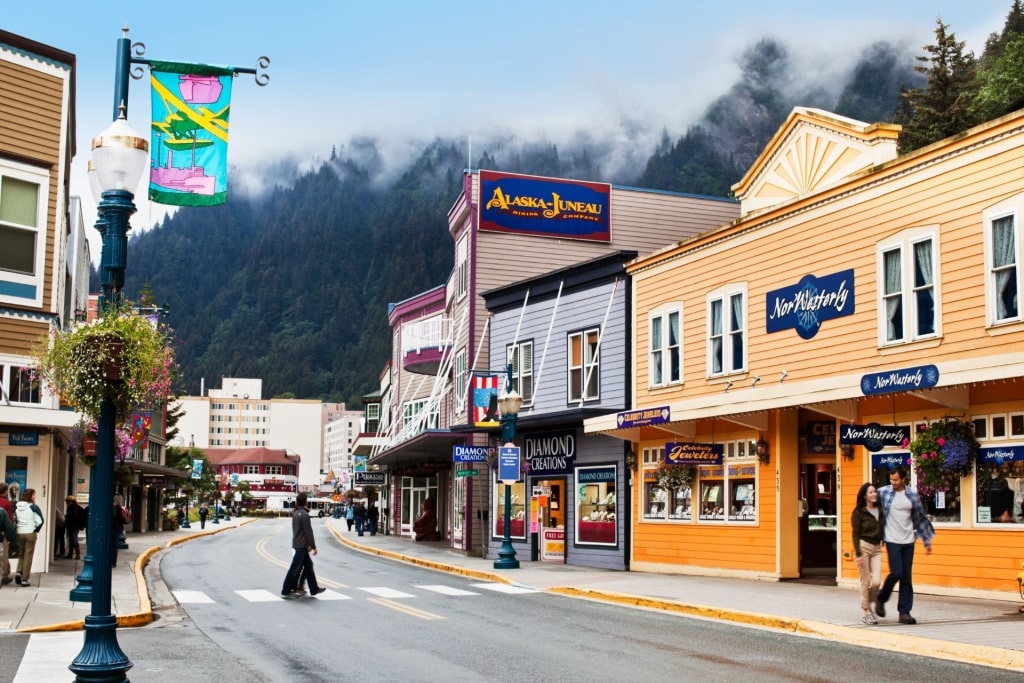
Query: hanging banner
{"points": [[485, 400], [189, 145], [141, 422], [197, 469]]}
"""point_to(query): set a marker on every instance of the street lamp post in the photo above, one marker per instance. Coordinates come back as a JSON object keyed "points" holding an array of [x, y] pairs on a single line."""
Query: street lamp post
{"points": [[120, 155], [509, 403]]}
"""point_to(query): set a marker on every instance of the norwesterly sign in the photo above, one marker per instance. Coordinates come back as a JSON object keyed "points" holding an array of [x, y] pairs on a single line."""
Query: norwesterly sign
{"points": [[874, 436], [907, 379], [807, 304]]}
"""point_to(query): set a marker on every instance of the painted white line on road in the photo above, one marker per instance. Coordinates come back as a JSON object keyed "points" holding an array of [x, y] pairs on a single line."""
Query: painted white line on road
{"points": [[504, 588], [387, 593], [447, 590], [48, 656], [331, 595], [192, 598], [260, 595]]}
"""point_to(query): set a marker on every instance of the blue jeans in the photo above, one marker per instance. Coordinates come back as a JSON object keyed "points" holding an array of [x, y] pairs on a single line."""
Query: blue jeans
{"points": [[901, 564], [360, 524]]}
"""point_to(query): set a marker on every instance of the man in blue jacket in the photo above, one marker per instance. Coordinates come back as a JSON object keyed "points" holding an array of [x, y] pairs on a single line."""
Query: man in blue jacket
{"points": [[906, 520]]}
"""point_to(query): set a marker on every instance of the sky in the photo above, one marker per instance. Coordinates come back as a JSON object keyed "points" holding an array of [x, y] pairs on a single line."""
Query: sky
{"points": [[412, 70]]}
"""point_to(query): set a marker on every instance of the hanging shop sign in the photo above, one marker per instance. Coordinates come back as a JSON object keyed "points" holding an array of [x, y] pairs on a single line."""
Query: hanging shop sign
{"points": [[370, 478], [997, 455], [508, 464], [874, 436], [890, 460], [545, 207], [643, 418], [694, 453], [550, 453], [807, 304], [471, 453], [907, 379]]}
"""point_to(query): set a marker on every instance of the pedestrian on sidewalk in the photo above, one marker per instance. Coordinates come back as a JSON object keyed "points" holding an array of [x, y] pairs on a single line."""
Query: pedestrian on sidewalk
{"points": [[905, 520], [203, 513], [360, 518], [866, 521], [9, 542], [118, 520], [29, 521], [58, 533], [303, 545], [350, 515], [74, 522], [372, 517]]}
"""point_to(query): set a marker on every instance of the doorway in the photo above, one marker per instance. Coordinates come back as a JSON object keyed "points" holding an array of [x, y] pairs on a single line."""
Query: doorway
{"points": [[819, 532]]}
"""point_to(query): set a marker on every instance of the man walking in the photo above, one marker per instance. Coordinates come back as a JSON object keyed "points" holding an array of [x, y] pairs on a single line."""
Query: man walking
{"points": [[74, 522], [5, 558], [303, 544], [905, 521]]}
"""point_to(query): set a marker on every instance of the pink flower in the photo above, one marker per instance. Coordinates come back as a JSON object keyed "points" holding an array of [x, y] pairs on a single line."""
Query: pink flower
{"points": [[906, 442], [940, 441]]}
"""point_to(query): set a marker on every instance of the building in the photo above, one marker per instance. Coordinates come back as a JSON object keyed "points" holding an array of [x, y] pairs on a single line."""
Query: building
{"points": [[237, 416], [861, 295], [441, 362], [272, 474], [341, 428], [38, 289]]}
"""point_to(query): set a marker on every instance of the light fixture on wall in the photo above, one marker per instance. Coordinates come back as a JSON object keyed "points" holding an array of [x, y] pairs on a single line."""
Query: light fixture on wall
{"points": [[757, 378], [728, 386], [631, 459], [847, 451], [783, 376], [761, 450]]}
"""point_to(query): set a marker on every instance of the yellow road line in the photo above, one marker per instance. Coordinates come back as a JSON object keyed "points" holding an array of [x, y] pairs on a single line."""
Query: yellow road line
{"points": [[411, 611], [261, 549]]}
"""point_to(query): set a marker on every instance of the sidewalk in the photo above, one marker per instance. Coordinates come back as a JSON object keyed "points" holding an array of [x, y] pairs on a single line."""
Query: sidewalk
{"points": [[985, 632]]}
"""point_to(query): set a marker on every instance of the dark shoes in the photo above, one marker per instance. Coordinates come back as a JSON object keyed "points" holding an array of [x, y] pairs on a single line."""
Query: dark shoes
{"points": [[880, 608], [290, 596], [318, 591], [24, 584], [6, 580], [905, 618]]}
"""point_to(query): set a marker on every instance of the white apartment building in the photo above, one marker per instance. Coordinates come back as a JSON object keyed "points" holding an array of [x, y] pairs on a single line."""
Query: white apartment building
{"points": [[237, 416], [341, 429]]}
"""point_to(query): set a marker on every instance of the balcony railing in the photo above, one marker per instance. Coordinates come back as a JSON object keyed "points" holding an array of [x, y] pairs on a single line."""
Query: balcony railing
{"points": [[431, 333]]}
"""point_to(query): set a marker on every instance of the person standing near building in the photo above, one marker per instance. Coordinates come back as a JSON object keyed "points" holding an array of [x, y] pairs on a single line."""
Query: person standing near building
{"points": [[360, 518], [303, 545], [866, 522], [203, 513], [372, 518], [74, 522], [58, 533], [350, 515], [906, 520], [5, 559], [29, 521]]}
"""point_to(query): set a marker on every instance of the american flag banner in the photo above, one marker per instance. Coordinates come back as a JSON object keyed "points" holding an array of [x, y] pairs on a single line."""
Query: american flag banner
{"points": [[485, 399]]}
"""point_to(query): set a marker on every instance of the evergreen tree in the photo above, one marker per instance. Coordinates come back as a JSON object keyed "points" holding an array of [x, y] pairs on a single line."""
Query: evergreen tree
{"points": [[945, 105], [1001, 67]]}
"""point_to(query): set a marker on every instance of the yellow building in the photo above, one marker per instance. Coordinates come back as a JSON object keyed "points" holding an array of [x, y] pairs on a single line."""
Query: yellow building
{"points": [[860, 293]]}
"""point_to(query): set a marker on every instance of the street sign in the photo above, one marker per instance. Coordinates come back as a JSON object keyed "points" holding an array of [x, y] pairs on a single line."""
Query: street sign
{"points": [[466, 473], [508, 464]]}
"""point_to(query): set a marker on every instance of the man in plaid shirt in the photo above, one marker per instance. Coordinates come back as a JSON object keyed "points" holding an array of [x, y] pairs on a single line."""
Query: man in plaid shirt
{"points": [[906, 520]]}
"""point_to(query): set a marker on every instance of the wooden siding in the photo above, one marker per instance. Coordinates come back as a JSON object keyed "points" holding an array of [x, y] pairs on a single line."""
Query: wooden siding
{"points": [[19, 335]]}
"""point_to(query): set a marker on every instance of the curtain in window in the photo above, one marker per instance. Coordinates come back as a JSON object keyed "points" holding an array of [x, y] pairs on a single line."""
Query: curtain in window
{"points": [[657, 376], [1004, 249], [675, 367], [736, 332], [716, 336], [924, 289], [893, 296]]}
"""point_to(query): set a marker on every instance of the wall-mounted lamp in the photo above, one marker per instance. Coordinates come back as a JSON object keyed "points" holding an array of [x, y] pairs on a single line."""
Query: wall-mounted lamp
{"points": [[631, 459], [761, 450], [847, 451], [783, 376], [757, 378], [728, 386]]}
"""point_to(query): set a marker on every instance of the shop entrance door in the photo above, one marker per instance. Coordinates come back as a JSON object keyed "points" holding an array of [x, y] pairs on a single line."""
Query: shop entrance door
{"points": [[415, 490], [819, 532]]}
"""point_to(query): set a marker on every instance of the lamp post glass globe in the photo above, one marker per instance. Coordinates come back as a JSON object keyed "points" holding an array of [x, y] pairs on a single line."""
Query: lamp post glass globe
{"points": [[119, 156]]}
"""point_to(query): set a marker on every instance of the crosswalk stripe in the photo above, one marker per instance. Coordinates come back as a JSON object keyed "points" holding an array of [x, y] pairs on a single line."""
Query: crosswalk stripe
{"points": [[447, 590], [192, 598], [504, 588], [47, 657], [382, 592], [332, 595], [261, 595]]}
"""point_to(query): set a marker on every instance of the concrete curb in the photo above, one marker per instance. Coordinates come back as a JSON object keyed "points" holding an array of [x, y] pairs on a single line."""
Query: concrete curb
{"points": [[145, 614]]}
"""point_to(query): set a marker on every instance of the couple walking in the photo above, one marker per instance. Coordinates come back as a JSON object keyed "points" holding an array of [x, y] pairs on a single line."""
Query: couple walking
{"points": [[303, 545], [894, 514]]}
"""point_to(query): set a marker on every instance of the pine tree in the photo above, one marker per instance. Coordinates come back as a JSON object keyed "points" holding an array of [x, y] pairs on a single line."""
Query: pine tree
{"points": [[945, 106], [1001, 67]]}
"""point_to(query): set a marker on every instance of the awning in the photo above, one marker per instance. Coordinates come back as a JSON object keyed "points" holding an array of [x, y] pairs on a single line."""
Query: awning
{"points": [[151, 468], [431, 445]]}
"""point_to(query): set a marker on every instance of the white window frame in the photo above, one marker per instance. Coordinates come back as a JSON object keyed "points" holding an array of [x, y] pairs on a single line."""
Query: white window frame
{"points": [[8, 372], [589, 369], [461, 381], [37, 279], [412, 410], [522, 377], [1007, 209], [462, 268], [728, 334], [660, 357], [905, 243]]}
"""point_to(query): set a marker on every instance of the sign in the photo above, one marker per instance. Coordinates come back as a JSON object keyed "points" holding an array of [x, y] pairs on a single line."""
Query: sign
{"points": [[359, 463], [874, 436], [370, 478], [595, 475], [197, 469], [920, 377], [807, 304], [552, 547], [821, 436], [997, 455], [471, 453], [694, 453], [23, 439], [466, 473], [642, 418], [485, 399], [890, 460], [545, 207], [508, 464], [550, 453]]}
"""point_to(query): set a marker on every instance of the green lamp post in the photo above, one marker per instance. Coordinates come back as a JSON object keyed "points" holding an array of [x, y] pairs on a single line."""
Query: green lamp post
{"points": [[509, 403]]}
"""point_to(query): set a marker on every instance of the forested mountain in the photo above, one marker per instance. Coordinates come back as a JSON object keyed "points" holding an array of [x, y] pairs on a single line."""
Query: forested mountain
{"points": [[293, 287]]}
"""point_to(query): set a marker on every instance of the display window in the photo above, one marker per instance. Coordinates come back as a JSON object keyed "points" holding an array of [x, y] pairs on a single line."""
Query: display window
{"points": [[999, 481], [725, 493], [519, 513], [596, 505]]}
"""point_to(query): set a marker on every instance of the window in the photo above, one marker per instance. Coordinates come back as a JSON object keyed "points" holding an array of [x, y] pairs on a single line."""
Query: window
{"points": [[1002, 246], [583, 366], [520, 357], [23, 192], [517, 529], [462, 268], [727, 322], [411, 415], [461, 387], [666, 364], [17, 385], [596, 505], [999, 469], [908, 310], [727, 493], [372, 411], [275, 469]]}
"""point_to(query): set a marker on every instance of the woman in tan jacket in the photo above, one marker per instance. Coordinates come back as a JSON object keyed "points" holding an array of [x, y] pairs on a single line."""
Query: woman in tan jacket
{"points": [[867, 524]]}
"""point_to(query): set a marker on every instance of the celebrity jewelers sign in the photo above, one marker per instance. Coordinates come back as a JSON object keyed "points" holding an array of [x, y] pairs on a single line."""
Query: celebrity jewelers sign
{"points": [[694, 453], [807, 304]]}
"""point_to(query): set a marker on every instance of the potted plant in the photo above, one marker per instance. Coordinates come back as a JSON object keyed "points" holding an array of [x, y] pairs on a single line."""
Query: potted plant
{"points": [[940, 451], [674, 477], [123, 356]]}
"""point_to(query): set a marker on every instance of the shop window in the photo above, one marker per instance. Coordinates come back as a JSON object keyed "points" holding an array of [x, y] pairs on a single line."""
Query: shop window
{"points": [[907, 271], [666, 360], [656, 499], [17, 385], [596, 505], [727, 323], [23, 193], [519, 510]]}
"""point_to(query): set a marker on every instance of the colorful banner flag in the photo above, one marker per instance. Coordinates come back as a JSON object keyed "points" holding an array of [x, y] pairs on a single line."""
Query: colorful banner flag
{"points": [[197, 469], [485, 400], [141, 422], [189, 147]]}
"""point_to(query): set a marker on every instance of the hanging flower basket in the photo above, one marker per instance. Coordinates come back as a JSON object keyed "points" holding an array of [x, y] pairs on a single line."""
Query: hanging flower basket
{"points": [[123, 356], [941, 453], [674, 477]]}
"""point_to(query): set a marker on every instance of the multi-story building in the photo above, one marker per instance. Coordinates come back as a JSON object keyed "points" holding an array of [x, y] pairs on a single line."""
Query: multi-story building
{"points": [[340, 430], [272, 474], [237, 416], [38, 292], [861, 296]]}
